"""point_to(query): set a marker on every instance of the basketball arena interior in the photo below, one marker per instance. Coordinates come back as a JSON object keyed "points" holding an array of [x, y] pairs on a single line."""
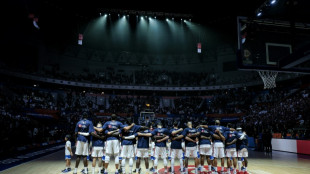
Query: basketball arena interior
{"points": [[155, 87]]}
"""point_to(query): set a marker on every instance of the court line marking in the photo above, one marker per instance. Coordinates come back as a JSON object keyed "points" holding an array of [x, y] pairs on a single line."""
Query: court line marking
{"points": [[30, 161]]}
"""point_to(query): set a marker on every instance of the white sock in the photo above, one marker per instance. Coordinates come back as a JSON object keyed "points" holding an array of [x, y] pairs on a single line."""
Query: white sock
{"points": [[75, 170], [186, 170], [93, 170], [116, 159], [172, 165], [130, 164], [215, 168], [181, 165], [222, 169], [209, 167], [239, 165], [165, 162], [199, 166], [196, 170], [245, 168], [85, 169], [66, 168], [123, 165]]}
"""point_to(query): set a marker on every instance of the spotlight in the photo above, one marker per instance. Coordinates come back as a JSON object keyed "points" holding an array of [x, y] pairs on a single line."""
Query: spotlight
{"points": [[155, 17], [190, 20], [100, 14], [136, 15], [109, 14], [273, 1], [172, 18], [259, 14], [167, 19], [181, 19], [117, 14]]}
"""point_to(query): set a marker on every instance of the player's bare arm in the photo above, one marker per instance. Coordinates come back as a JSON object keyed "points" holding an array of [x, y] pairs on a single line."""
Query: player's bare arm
{"points": [[194, 135], [98, 129], [234, 141], [177, 131], [178, 137], [129, 127], [112, 133], [163, 139], [215, 136], [144, 134], [158, 137], [97, 136], [204, 137], [221, 136], [203, 126], [142, 128], [189, 139], [83, 133]]}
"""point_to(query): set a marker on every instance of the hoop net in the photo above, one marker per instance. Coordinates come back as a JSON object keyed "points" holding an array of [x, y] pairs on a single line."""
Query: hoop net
{"points": [[269, 78]]}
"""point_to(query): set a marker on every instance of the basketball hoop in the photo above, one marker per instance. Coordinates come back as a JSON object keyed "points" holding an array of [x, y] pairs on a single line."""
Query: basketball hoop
{"points": [[269, 78]]}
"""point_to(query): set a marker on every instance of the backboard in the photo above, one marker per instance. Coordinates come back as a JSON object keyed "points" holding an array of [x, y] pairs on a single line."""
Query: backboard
{"points": [[273, 45]]}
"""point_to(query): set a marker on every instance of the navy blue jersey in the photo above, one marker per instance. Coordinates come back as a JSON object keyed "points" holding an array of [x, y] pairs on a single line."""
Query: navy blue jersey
{"points": [[160, 132], [97, 142], [143, 142], [229, 137], [84, 126], [111, 126], [176, 144], [186, 132], [206, 133], [242, 143], [222, 129], [130, 132]]}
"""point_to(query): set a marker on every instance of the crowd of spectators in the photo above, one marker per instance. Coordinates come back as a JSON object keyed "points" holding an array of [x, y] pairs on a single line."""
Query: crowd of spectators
{"points": [[288, 116]]}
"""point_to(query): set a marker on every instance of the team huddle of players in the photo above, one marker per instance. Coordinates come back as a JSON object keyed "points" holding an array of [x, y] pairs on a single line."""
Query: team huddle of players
{"points": [[129, 141]]}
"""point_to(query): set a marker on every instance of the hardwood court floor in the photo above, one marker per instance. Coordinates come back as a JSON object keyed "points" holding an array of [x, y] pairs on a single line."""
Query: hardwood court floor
{"points": [[259, 163]]}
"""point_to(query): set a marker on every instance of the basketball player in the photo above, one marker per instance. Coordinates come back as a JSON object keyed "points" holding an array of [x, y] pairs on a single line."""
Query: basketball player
{"points": [[82, 130], [97, 150], [218, 146], [112, 129], [242, 147], [128, 138], [205, 147], [142, 151], [152, 149], [176, 146], [68, 154], [230, 148], [161, 136], [190, 135]]}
